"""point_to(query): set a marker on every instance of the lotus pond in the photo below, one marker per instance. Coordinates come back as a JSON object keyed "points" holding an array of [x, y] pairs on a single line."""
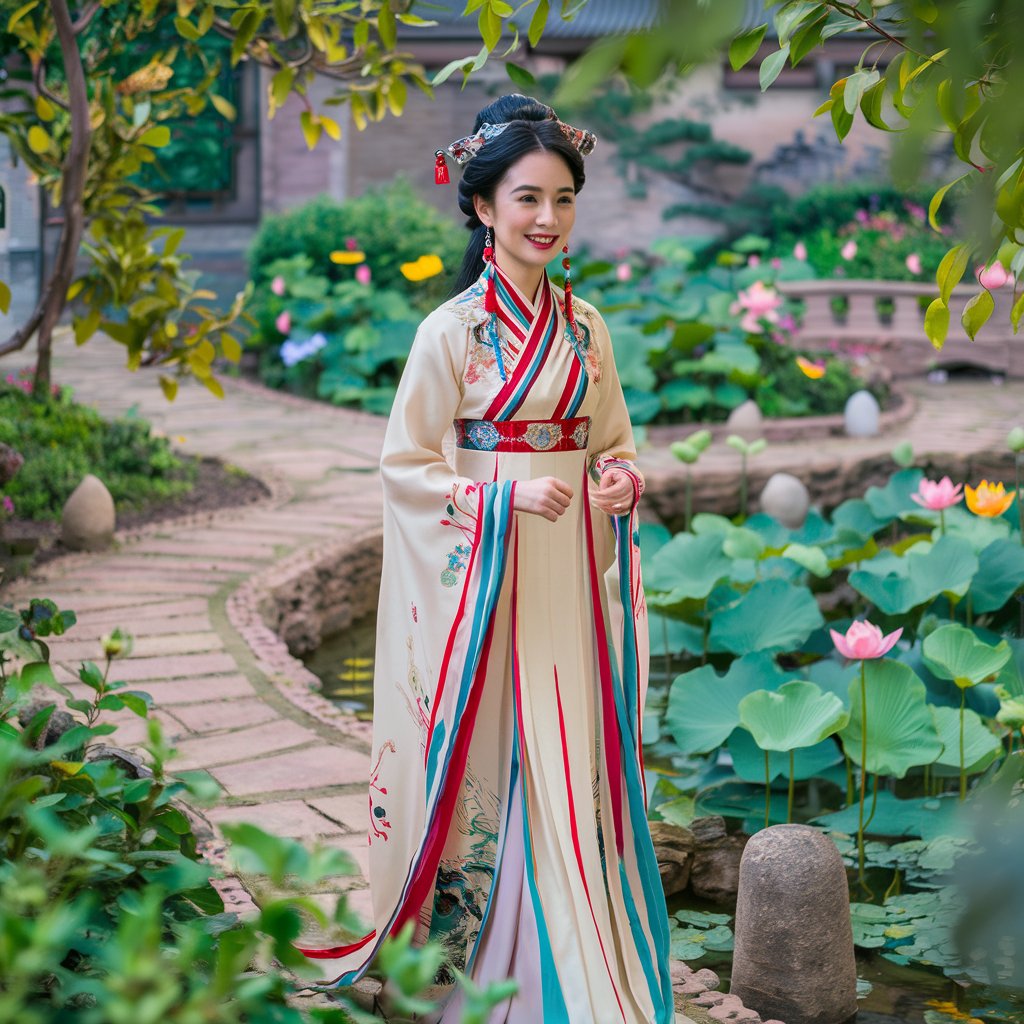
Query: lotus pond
{"points": [[908, 754]]}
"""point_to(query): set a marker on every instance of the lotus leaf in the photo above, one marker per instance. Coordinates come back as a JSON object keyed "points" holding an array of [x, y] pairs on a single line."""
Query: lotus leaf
{"points": [[642, 405], [889, 502], [742, 800], [709, 522], [774, 533], [653, 537], [798, 714], [901, 731], [896, 585], [808, 762], [672, 636], [855, 518], [703, 706], [927, 817], [954, 652], [742, 543], [981, 745], [814, 560], [772, 615], [683, 393], [1000, 574], [833, 676], [687, 566], [816, 530], [978, 531]]}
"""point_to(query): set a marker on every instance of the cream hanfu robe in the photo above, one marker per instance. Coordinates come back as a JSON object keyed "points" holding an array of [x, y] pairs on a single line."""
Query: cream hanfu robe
{"points": [[507, 810]]}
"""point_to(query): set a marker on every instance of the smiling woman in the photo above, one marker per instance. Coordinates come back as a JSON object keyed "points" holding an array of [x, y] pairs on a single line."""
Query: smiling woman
{"points": [[507, 812]]}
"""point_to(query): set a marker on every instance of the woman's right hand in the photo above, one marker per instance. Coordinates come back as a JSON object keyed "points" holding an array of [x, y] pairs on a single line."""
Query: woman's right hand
{"points": [[546, 496]]}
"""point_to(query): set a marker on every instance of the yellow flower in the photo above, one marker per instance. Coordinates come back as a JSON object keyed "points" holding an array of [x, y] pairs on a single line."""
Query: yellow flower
{"points": [[814, 370], [989, 500], [426, 266], [348, 256], [951, 1011]]}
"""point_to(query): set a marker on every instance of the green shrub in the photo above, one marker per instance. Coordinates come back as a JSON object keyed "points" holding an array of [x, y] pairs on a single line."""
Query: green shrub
{"points": [[62, 441], [390, 224]]}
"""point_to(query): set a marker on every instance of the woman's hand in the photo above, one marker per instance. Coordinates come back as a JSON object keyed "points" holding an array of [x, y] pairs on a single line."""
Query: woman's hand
{"points": [[546, 496], [614, 494]]}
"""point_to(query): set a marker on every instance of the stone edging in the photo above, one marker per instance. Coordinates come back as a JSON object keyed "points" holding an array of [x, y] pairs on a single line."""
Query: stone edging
{"points": [[790, 428]]}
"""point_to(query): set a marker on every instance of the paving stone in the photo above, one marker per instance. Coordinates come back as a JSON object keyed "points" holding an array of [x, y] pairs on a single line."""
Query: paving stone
{"points": [[177, 666], [349, 810], [318, 766], [142, 646], [290, 818], [160, 609], [218, 715], [196, 691], [356, 846], [237, 550], [225, 747]]}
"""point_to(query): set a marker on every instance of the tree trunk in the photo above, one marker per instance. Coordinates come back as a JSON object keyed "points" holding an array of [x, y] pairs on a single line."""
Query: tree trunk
{"points": [[54, 297]]}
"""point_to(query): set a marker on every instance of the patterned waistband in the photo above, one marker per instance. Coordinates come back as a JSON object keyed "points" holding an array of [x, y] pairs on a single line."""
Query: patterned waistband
{"points": [[523, 435]]}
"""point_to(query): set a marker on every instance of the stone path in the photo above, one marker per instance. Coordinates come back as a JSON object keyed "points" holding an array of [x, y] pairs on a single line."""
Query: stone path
{"points": [[221, 684]]}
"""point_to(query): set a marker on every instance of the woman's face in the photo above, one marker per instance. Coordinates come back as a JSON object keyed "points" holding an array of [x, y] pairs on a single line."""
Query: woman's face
{"points": [[532, 214]]}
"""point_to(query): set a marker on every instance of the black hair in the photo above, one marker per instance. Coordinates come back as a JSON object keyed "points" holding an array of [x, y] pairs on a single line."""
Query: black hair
{"points": [[534, 131]]}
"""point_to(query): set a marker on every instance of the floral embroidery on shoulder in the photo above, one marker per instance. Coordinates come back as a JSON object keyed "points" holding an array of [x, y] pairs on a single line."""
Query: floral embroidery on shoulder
{"points": [[585, 322], [481, 360], [468, 306]]}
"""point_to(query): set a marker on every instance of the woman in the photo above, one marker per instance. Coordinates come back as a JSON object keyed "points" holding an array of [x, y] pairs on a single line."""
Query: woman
{"points": [[507, 804]]}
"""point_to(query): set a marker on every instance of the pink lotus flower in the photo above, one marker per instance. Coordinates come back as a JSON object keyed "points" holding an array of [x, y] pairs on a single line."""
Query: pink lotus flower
{"points": [[776, 263], [277, 285], [913, 262], [992, 277], [753, 260], [800, 251], [937, 495], [849, 250], [363, 273], [864, 640], [623, 272], [759, 303], [284, 322]]}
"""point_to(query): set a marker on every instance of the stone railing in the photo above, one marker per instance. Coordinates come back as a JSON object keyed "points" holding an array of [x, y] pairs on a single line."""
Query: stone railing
{"points": [[897, 333]]}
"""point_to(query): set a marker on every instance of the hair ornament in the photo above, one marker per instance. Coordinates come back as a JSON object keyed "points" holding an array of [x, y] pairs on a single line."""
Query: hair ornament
{"points": [[463, 150]]}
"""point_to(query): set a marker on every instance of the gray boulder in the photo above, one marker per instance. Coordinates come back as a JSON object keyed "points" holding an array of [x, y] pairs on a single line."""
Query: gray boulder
{"points": [[786, 499], [862, 415], [746, 420], [88, 520]]}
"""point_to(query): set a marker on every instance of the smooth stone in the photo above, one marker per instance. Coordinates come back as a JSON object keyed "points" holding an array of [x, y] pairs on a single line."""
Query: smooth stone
{"points": [[88, 520], [861, 415], [786, 499], [746, 420], [794, 957]]}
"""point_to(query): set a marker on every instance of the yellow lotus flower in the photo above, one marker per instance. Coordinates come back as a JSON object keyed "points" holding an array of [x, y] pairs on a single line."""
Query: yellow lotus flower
{"points": [[989, 500], [429, 265], [815, 370], [348, 256]]}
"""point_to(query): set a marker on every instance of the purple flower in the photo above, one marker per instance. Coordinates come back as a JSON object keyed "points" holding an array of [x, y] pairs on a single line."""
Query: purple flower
{"points": [[8, 505]]}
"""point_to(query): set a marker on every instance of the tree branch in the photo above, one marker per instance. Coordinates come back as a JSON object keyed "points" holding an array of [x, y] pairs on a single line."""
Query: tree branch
{"points": [[38, 80], [82, 23]]}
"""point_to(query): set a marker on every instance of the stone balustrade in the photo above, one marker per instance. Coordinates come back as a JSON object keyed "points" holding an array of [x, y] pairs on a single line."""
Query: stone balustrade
{"points": [[888, 318]]}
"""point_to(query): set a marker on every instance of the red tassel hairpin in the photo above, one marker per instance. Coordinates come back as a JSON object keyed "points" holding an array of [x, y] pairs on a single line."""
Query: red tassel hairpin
{"points": [[440, 169]]}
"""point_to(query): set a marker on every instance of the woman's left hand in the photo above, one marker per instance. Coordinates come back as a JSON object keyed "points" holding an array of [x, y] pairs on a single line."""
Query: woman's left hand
{"points": [[614, 494]]}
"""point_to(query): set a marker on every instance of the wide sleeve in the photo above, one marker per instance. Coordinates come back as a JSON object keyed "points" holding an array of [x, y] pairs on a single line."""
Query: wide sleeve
{"points": [[611, 433]]}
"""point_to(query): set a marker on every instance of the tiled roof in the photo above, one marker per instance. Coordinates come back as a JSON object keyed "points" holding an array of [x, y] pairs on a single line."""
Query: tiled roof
{"points": [[596, 19]]}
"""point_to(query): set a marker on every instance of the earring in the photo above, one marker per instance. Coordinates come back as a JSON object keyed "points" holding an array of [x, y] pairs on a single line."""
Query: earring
{"points": [[570, 316], [490, 298]]}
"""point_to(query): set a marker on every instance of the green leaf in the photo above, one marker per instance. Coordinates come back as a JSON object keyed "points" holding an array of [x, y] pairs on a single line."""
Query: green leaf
{"points": [[37, 673], [284, 16], [157, 136], [520, 76], [814, 560], [1000, 575], [808, 762], [452, 66], [224, 107], [954, 652], [936, 323], [703, 707], [871, 106], [744, 46], [38, 139], [772, 66], [5, 298], [772, 615], [538, 22], [936, 201], [489, 26], [900, 728], [981, 746], [891, 501], [687, 567], [927, 817], [898, 584], [798, 714], [387, 27], [842, 119], [281, 85], [977, 311], [951, 270], [186, 29], [311, 129]]}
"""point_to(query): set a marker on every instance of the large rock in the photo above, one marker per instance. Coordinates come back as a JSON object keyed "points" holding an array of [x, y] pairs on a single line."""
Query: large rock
{"points": [[88, 520], [862, 415], [673, 848], [786, 499], [715, 873], [794, 956], [746, 420]]}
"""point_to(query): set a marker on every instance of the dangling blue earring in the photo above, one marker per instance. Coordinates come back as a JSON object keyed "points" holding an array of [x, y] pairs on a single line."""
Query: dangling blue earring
{"points": [[491, 301]]}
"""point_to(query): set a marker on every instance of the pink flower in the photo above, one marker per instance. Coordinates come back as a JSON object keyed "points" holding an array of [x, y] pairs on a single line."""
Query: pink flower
{"points": [[8, 505], [776, 263], [759, 303], [800, 251], [277, 285], [849, 250], [991, 277], [623, 272], [864, 640], [753, 260], [284, 322], [363, 273], [913, 262], [862, 216], [937, 495], [351, 244]]}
